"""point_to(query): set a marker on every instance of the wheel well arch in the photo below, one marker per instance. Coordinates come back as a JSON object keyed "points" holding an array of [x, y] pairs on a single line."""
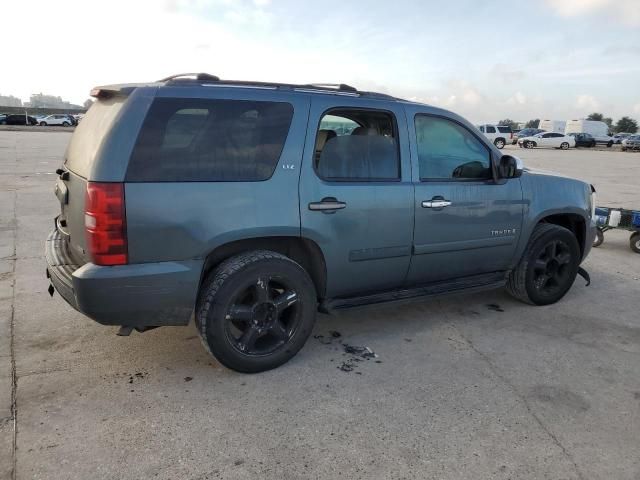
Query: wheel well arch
{"points": [[572, 222], [302, 250]]}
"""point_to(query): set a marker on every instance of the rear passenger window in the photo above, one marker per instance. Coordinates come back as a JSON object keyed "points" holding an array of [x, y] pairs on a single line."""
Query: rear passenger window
{"points": [[448, 151], [491, 129], [199, 140], [357, 145], [504, 129]]}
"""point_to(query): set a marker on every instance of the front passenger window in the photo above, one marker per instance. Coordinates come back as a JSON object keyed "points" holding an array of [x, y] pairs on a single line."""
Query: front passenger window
{"points": [[448, 151]]}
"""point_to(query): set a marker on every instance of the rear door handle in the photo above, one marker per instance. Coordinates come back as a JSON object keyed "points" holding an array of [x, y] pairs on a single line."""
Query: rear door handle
{"points": [[327, 205], [435, 203]]}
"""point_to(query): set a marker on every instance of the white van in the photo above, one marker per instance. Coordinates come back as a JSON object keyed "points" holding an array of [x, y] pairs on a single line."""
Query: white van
{"points": [[556, 126], [598, 130]]}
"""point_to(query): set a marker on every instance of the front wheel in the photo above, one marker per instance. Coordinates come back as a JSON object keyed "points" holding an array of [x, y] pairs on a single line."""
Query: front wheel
{"points": [[43, 124], [256, 311], [564, 145], [548, 267], [610, 144], [499, 143], [634, 242], [65, 124], [529, 144]]}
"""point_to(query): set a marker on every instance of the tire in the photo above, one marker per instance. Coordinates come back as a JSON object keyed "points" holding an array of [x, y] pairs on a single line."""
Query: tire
{"points": [[499, 143], [529, 144], [623, 149], [564, 145], [634, 242], [240, 319], [593, 145], [65, 124], [610, 144], [542, 277], [599, 240], [43, 124]]}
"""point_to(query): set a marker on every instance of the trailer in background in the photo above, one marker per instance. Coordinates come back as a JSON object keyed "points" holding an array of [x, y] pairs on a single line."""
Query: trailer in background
{"points": [[556, 126]]}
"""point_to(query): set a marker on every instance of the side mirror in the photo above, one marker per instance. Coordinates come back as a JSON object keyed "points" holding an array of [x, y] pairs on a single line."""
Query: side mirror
{"points": [[510, 167]]}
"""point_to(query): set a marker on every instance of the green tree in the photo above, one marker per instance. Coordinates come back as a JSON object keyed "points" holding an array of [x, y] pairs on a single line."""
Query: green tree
{"points": [[627, 125], [596, 117], [509, 122], [533, 123], [608, 121]]}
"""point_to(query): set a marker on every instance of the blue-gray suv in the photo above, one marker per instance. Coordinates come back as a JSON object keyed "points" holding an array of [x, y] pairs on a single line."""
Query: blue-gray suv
{"points": [[253, 205]]}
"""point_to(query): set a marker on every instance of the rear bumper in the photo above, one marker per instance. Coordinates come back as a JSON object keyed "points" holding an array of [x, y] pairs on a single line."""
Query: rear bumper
{"points": [[148, 294]]}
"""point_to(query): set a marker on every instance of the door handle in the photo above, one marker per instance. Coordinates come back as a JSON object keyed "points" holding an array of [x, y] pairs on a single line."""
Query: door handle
{"points": [[327, 205], [436, 203]]}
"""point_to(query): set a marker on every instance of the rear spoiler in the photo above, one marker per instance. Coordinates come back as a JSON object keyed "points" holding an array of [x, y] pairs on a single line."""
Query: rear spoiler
{"points": [[110, 91]]}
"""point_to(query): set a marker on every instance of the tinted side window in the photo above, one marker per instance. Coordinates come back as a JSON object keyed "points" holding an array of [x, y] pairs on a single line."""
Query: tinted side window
{"points": [[191, 140], [447, 150], [504, 129], [491, 129]]}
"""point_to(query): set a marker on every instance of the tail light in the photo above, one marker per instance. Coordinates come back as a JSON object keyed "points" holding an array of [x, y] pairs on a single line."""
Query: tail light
{"points": [[105, 223]]}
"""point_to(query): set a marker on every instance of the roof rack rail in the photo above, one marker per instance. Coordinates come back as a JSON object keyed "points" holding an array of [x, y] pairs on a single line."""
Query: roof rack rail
{"points": [[338, 88], [333, 86], [198, 76]]}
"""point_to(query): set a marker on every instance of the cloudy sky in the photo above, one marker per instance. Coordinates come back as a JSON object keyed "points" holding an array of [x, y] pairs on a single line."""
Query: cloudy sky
{"points": [[484, 59]]}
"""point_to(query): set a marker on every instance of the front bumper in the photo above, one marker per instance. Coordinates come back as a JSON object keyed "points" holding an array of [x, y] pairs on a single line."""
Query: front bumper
{"points": [[590, 236], [137, 295]]}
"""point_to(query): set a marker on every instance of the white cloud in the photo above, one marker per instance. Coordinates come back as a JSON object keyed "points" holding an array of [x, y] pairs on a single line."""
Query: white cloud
{"points": [[636, 108], [518, 98], [626, 12], [587, 103]]}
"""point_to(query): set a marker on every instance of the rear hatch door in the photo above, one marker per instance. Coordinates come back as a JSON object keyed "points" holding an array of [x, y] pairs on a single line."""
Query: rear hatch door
{"points": [[71, 185]]}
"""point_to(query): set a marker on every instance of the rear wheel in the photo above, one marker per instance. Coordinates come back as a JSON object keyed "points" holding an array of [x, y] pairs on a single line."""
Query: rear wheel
{"points": [[599, 240], [564, 145], [65, 124], [256, 311], [548, 267], [499, 143], [610, 144], [634, 242]]}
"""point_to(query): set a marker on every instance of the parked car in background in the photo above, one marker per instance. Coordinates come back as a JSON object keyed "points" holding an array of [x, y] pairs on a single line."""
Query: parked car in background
{"points": [[583, 139], [525, 132], [631, 143], [57, 119], [3, 117], [557, 126], [78, 117], [548, 139], [498, 134], [291, 224], [19, 119], [619, 137]]}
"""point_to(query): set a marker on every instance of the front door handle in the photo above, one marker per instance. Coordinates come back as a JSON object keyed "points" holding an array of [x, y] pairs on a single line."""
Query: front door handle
{"points": [[436, 203], [327, 205]]}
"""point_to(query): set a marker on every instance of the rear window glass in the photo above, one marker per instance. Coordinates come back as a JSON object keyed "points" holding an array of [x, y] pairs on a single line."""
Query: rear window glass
{"points": [[90, 133], [197, 140], [504, 129]]}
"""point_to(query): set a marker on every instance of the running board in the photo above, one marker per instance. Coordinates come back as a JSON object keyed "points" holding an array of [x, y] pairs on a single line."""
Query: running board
{"points": [[476, 283]]}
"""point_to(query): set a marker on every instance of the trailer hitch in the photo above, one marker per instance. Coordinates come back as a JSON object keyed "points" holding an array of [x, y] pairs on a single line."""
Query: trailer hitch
{"points": [[584, 274]]}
